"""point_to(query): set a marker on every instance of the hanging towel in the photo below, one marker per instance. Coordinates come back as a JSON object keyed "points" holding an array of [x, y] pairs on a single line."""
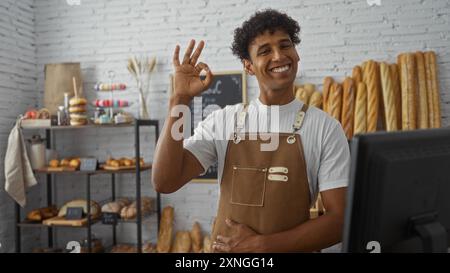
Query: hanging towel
{"points": [[18, 172]]}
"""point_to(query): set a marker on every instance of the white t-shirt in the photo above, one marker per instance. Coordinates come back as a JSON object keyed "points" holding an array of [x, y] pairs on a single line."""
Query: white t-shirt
{"points": [[325, 146]]}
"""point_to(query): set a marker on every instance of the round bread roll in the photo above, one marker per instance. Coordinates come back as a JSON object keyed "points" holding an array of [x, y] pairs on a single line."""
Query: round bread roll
{"points": [[76, 116], [78, 122], [54, 163], [77, 109], [129, 212], [112, 207], [77, 101]]}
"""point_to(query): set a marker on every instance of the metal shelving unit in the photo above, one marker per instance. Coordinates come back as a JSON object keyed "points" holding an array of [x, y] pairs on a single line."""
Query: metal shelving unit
{"points": [[137, 171]]}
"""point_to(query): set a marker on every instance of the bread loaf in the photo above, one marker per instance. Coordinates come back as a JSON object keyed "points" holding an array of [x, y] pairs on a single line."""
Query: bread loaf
{"points": [[182, 242], [207, 244], [196, 236], [348, 107], [370, 78], [397, 93], [360, 126], [165, 231], [128, 212], [327, 83], [316, 100], [309, 88], [433, 87], [302, 95], [335, 102], [408, 87], [388, 98], [357, 75], [422, 101]]}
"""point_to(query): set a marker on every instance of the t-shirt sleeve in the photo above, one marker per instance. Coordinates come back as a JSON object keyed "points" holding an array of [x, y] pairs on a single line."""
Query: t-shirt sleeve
{"points": [[334, 165], [201, 144]]}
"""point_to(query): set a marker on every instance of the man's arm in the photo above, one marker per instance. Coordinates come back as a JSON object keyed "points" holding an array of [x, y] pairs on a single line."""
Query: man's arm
{"points": [[174, 166], [312, 235]]}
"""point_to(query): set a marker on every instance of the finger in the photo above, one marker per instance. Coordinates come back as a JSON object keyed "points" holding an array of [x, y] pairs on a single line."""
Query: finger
{"points": [[222, 239], [219, 247], [230, 222], [197, 52], [187, 54], [176, 56], [209, 75]]}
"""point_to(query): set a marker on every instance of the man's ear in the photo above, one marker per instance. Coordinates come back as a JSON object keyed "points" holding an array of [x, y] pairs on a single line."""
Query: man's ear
{"points": [[248, 66]]}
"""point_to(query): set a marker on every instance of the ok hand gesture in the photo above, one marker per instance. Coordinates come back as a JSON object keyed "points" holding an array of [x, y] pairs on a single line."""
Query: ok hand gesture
{"points": [[187, 80]]}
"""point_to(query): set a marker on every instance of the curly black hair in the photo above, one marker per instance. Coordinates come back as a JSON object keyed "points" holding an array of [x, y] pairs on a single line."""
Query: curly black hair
{"points": [[260, 22]]}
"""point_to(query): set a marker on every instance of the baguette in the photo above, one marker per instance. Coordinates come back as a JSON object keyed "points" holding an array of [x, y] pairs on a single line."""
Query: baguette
{"points": [[433, 87], [371, 80], [165, 231], [422, 101], [197, 238], [336, 101], [388, 98], [182, 242], [398, 94], [302, 95], [407, 77], [357, 75], [316, 100], [327, 83], [348, 107], [360, 124]]}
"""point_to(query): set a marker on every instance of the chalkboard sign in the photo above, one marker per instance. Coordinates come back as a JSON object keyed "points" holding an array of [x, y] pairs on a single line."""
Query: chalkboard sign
{"points": [[74, 213], [227, 88], [109, 218]]}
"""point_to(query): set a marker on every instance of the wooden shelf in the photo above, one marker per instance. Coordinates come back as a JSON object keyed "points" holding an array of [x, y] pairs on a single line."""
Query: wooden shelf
{"points": [[146, 167], [32, 224]]}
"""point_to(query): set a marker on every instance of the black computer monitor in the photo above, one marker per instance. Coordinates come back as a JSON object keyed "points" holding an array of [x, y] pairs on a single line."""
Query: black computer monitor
{"points": [[399, 192]]}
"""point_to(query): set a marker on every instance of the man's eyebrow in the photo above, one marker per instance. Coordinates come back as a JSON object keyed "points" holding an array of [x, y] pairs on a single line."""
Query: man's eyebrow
{"points": [[262, 46], [285, 40]]}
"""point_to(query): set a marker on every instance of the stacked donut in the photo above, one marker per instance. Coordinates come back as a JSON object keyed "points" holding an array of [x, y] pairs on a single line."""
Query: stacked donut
{"points": [[77, 111]]}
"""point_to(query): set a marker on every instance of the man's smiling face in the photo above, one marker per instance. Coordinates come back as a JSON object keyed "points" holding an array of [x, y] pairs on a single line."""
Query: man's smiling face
{"points": [[273, 60]]}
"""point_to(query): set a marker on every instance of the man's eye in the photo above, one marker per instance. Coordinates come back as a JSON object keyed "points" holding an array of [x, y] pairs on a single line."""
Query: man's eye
{"points": [[264, 52], [285, 46]]}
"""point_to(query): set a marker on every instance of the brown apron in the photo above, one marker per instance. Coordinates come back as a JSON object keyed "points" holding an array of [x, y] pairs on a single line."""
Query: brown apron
{"points": [[265, 190]]}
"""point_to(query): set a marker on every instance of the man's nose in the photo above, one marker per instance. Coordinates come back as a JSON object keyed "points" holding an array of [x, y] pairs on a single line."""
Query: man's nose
{"points": [[277, 55]]}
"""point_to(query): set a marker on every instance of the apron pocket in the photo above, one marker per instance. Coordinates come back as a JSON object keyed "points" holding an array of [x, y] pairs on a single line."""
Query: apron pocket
{"points": [[248, 186]]}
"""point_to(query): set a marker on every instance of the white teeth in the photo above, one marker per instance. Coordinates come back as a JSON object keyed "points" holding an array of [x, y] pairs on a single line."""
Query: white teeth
{"points": [[280, 69]]}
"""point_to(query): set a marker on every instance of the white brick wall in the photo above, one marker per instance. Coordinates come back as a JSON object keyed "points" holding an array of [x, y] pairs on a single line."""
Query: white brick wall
{"points": [[17, 92], [336, 35]]}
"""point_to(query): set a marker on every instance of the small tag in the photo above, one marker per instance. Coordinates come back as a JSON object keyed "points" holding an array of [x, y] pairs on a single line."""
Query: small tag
{"points": [[109, 218], [74, 213]]}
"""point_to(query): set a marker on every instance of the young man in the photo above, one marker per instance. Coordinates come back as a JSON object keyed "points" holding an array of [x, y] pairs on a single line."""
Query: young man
{"points": [[265, 196]]}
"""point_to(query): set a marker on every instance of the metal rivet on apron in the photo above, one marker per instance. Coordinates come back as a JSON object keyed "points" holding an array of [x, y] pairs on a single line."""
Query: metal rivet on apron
{"points": [[291, 139], [236, 140]]}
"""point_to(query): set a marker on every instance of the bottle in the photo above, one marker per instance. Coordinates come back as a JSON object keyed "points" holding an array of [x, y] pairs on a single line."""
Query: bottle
{"points": [[61, 115]]}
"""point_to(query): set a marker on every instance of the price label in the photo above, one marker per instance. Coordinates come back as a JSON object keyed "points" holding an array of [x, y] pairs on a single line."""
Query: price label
{"points": [[74, 213]]}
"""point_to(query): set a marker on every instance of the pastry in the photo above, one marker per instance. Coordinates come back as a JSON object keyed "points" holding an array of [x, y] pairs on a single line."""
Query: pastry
{"points": [[360, 124], [42, 213], [54, 163], [408, 89], [165, 231], [309, 89], [65, 162], [34, 215], [112, 207], [388, 98], [348, 107], [335, 101], [370, 78], [398, 93], [316, 100], [182, 242], [422, 92], [433, 88], [77, 110], [196, 236], [75, 163], [327, 83]]}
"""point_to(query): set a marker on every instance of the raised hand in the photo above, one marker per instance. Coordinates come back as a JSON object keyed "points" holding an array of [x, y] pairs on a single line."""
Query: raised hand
{"points": [[187, 80]]}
